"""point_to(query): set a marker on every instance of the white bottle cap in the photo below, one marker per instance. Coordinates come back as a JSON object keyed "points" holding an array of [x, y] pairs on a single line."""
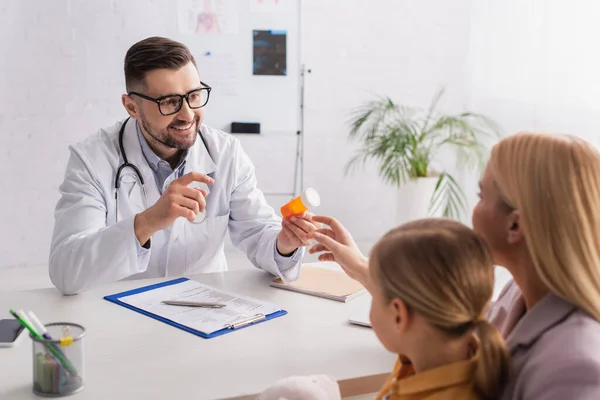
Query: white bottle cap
{"points": [[311, 198], [201, 216]]}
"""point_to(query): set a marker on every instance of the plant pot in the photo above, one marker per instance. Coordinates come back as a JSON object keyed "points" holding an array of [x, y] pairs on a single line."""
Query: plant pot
{"points": [[413, 199]]}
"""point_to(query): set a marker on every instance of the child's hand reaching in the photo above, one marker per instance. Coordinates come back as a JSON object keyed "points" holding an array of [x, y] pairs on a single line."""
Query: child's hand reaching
{"points": [[336, 244], [314, 387]]}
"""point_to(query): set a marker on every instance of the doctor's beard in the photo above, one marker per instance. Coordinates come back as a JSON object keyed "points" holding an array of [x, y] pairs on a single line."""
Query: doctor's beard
{"points": [[172, 140]]}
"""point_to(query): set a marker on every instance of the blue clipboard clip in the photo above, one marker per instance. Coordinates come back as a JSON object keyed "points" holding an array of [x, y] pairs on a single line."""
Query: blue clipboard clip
{"points": [[251, 320]]}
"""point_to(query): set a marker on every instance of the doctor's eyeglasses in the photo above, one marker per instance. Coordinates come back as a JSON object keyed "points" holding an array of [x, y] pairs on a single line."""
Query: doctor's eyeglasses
{"points": [[171, 104]]}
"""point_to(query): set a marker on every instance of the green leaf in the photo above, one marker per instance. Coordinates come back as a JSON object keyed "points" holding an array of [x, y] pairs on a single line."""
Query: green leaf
{"points": [[448, 197], [431, 110]]}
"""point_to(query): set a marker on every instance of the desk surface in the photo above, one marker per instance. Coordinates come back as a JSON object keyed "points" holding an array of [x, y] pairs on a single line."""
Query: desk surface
{"points": [[129, 355]]}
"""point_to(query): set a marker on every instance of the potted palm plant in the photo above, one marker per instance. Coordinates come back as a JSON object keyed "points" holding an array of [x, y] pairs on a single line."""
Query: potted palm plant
{"points": [[405, 142]]}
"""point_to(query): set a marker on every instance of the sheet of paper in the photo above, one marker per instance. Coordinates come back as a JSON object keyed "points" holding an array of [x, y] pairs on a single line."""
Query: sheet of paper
{"points": [[362, 316], [207, 320], [212, 17], [218, 70]]}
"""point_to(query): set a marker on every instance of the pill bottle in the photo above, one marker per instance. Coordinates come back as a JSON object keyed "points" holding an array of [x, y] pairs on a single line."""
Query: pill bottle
{"points": [[308, 200]]}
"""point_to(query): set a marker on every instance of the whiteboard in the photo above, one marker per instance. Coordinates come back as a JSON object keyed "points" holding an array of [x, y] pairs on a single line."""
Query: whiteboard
{"points": [[225, 61]]}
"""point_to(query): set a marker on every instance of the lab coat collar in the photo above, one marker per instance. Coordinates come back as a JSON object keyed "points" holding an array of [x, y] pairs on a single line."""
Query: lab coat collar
{"points": [[199, 159]]}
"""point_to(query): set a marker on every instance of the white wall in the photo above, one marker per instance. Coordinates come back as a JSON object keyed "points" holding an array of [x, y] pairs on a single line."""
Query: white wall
{"points": [[534, 65], [61, 78], [59, 83], [403, 49]]}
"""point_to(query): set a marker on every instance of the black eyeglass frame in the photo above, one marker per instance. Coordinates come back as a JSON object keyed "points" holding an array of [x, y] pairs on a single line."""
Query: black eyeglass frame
{"points": [[186, 96]]}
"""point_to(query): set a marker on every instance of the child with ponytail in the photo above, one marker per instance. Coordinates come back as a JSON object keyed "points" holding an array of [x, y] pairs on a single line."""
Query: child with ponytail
{"points": [[432, 281]]}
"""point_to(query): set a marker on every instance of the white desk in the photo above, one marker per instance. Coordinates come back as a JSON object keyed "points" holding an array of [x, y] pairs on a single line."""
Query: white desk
{"points": [[131, 356]]}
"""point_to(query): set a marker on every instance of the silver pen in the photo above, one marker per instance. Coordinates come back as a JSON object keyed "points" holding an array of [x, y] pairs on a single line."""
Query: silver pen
{"points": [[193, 303]]}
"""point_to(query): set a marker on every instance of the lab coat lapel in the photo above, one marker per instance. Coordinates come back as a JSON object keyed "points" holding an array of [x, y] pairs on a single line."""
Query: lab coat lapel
{"points": [[133, 150], [198, 160]]}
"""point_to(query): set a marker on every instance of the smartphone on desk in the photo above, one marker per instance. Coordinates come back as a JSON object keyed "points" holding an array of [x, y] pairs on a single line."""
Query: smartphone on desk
{"points": [[10, 331]]}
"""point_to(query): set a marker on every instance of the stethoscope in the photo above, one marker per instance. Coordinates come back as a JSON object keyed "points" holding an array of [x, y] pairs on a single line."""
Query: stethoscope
{"points": [[127, 164]]}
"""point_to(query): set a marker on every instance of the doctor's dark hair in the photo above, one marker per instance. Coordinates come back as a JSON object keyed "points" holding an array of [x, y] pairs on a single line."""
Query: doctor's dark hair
{"points": [[444, 273], [154, 53]]}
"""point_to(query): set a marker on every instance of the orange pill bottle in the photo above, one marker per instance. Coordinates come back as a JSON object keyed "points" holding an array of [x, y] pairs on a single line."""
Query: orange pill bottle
{"points": [[308, 200]]}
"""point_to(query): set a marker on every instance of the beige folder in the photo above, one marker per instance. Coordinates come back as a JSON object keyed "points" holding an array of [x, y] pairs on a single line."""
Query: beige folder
{"points": [[323, 282]]}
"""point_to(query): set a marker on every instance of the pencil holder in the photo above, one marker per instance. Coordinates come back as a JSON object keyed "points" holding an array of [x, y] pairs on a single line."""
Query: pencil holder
{"points": [[58, 360]]}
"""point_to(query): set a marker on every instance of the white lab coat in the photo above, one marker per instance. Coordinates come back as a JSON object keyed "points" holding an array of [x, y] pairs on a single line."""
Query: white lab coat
{"points": [[90, 247]]}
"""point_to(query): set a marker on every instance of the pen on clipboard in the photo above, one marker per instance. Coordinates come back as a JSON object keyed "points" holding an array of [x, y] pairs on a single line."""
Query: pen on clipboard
{"points": [[192, 303]]}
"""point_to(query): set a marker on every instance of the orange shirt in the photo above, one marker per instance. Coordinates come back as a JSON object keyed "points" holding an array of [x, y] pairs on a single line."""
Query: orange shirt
{"points": [[453, 381]]}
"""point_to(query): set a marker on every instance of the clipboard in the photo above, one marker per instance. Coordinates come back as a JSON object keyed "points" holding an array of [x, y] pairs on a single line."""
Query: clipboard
{"points": [[116, 299]]}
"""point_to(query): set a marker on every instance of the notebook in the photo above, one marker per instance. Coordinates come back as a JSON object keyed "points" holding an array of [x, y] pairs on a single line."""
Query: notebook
{"points": [[323, 280], [361, 316], [239, 311]]}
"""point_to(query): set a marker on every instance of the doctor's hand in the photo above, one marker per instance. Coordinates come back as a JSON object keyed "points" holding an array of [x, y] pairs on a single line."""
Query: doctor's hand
{"points": [[336, 244], [178, 200], [296, 232]]}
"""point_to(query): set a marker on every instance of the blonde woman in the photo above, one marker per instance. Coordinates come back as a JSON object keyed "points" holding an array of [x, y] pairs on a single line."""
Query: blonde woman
{"points": [[540, 214], [432, 282]]}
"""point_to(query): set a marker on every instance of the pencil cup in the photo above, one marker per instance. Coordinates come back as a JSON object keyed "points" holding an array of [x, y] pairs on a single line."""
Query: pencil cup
{"points": [[58, 360]]}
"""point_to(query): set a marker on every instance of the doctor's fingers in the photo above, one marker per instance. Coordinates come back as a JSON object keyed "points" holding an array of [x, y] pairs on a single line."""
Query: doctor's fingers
{"points": [[307, 215], [195, 194], [306, 226], [204, 192], [303, 236], [185, 212], [195, 177], [192, 204], [178, 198], [292, 236]]}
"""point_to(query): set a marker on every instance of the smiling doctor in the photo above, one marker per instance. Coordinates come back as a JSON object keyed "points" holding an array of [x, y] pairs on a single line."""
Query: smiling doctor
{"points": [[154, 195]]}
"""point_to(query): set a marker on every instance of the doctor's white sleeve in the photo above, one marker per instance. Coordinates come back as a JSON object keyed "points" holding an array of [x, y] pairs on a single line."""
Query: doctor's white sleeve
{"points": [[85, 252], [253, 224]]}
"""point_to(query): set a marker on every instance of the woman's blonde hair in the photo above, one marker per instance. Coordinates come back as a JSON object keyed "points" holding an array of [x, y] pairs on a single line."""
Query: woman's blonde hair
{"points": [[554, 182], [444, 272]]}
